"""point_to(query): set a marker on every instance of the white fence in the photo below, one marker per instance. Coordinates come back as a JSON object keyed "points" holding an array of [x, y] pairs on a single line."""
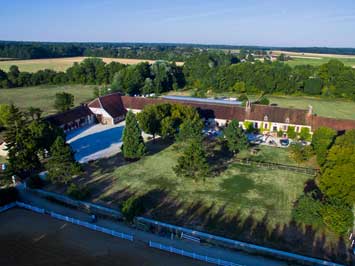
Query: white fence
{"points": [[78, 203], [191, 254], [67, 219], [7, 207], [92, 226], [30, 207], [240, 245]]}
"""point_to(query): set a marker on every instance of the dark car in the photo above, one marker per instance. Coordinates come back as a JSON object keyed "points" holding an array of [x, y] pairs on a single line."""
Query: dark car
{"points": [[284, 142]]}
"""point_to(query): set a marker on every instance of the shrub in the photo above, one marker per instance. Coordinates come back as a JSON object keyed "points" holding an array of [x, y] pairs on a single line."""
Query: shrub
{"points": [[337, 216], [35, 182], [305, 134], [132, 208], [300, 153], [76, 192], [280, 133], [307, 210], [264, 101], [291, 133], [8, 195]]}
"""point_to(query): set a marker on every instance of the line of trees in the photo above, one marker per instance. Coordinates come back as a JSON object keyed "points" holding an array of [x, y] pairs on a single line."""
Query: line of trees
{"points": [[205, 71], [31, 140], [209, 72], [329, 202]]}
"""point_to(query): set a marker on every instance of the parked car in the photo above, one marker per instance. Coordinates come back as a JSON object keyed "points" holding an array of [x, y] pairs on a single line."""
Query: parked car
{"points": [[284, 142]]}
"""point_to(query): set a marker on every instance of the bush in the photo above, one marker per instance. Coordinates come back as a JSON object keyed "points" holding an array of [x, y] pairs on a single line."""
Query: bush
{"points": [[264, 101], [8, 195], [300, 153], [280, 133], [35, 182], [76, 192], [307, 210], [305, 134], [132, 208], [291, 133], [337, 216]]}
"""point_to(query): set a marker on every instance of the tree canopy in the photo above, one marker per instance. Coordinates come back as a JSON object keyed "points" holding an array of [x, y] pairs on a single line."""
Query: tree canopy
{"points": [[133, 145]]}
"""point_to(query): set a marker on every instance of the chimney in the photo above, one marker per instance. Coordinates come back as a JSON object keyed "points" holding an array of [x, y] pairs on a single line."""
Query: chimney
{"points": [[248, 107], [310, 110]]}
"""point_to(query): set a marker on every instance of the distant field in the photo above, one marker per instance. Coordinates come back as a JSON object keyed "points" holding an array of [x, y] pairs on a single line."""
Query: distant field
{"points": [[316, 59], [43, 96], [61, 64]]}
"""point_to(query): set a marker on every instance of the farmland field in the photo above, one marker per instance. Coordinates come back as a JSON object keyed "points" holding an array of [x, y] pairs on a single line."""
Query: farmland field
{"points": [[28, 238], [61, 64], [43, 96], [316, 59]]}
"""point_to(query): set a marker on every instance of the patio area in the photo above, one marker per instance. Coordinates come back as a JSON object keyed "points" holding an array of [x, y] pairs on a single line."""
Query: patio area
{"points": [[96, 141]]}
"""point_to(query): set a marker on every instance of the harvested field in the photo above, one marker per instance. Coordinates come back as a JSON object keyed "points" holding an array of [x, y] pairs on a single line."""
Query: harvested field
{"points": [[61, 64], [31, 239], [315, 59]]}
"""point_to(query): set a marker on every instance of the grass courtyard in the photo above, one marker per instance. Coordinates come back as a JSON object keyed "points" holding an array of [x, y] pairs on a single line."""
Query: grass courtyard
{"points": [[238, 189], [43, 96]]}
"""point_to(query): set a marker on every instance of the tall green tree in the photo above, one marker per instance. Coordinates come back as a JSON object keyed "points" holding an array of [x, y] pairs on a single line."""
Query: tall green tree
{"points": [[322, 139], [133, 144], [235, 137], [22, 149], [193, 162], [63, 101], [337, 179], [61, 165]]}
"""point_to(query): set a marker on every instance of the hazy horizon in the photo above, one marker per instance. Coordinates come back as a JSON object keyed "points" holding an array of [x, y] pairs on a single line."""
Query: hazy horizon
{"points": [[248, 23]]}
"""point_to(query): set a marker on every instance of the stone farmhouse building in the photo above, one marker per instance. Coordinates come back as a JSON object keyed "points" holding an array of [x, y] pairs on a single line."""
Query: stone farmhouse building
{"points": [[112, 108]]}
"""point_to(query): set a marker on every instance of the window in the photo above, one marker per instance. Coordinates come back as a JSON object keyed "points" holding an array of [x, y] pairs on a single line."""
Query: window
{"points": [[297, 129], [284, 128], [256, 125], [274, 128], [265, 125], [266, 118], [287, 120]]}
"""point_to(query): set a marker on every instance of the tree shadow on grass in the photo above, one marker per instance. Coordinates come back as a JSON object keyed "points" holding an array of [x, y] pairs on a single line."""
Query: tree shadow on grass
{"points": [[292, 237]]}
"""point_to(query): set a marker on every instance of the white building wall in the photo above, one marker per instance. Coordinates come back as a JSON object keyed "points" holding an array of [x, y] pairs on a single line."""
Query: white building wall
{"points": [[100, 111]]}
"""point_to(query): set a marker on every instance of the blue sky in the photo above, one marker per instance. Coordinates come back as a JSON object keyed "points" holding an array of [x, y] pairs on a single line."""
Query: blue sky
{"points": [[240, 22]]}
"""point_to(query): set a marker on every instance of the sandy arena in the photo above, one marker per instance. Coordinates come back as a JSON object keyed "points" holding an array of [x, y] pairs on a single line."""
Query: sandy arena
{"points": [[31, 239]]}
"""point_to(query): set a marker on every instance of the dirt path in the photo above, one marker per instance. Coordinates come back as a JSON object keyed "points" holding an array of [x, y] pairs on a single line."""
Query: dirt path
{"points": [[27, 238]]}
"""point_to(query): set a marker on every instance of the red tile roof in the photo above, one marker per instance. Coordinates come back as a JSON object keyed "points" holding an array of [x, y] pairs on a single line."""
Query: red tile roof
{"points": [[337, 124], [277, 114], [59, 119], [111, 103]]}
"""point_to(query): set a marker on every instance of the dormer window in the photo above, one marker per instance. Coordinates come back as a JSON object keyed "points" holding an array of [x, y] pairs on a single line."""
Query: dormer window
{"points": [[266, 118], [287, 120]]}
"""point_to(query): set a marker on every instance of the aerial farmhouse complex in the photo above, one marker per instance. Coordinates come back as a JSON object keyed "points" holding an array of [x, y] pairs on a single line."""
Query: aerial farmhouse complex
{"points": [[111, 109]]}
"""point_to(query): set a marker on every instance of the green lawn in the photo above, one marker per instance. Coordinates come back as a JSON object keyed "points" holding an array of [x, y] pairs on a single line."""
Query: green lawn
{"points": [[276, 155], [44, 96], [238, 189], [322, 107], [319, 61]]}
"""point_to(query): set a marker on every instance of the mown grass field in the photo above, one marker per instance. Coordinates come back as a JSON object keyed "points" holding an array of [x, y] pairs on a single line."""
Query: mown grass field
{"points": [[319, 61], [237, 190], [43, 96], [61, 64]]}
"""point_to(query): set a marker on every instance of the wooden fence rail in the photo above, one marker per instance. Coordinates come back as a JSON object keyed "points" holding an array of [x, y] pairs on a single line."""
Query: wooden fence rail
{"points": [[298, 169]]}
